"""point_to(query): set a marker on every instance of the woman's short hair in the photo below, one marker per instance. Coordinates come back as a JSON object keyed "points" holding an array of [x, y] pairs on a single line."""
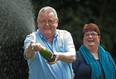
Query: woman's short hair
{"points": [[91, 27]]}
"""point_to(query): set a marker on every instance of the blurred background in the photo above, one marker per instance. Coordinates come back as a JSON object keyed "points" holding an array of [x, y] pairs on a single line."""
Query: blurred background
{"points": [[18, 18]]}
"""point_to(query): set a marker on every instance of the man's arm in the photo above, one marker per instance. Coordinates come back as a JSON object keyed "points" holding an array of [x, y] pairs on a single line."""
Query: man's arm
{"points": [[67, 56]]}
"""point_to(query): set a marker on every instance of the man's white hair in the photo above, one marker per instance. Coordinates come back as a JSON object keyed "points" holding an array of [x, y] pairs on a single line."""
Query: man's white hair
{"points": [[48, 9]]}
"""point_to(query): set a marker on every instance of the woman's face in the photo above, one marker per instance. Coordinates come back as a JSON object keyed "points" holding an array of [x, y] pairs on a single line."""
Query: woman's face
{"points": [[91, 39], [47, 24]]}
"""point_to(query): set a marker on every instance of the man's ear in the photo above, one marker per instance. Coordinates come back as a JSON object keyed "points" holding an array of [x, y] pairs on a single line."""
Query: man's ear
{"points": [[38, 23]]}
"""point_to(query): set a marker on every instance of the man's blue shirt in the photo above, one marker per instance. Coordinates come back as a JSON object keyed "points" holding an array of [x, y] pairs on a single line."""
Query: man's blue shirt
{"points": [[39, 68]]}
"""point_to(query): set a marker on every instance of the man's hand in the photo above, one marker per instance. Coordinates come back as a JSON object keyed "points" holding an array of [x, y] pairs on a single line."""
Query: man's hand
{"points": [[56, 59]]}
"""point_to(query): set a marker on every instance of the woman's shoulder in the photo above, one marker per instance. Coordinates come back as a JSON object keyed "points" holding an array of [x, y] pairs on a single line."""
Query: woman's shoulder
{"points": [[78, 54]]}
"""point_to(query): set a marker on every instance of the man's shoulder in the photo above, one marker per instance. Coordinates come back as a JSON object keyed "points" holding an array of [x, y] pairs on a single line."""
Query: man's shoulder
{"points": [[62, 31], [31, 35]]}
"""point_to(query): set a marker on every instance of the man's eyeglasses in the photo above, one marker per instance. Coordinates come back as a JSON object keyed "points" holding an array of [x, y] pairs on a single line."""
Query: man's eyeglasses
{"points": [[92, 34], [50, 22]]}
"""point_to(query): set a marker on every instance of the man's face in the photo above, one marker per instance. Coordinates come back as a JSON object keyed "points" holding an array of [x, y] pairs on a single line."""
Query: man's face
{"points": [[47, 24]]}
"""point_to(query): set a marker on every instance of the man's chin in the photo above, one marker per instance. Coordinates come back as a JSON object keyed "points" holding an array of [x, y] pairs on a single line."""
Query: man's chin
{"points": [[47, 32]]}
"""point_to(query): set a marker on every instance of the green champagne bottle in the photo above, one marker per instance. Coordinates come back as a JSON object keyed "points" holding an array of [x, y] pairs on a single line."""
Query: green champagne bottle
{"points": [[47, 54]]}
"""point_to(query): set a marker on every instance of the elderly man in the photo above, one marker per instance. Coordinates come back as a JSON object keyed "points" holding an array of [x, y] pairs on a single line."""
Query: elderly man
{"points": [[58, 42]]}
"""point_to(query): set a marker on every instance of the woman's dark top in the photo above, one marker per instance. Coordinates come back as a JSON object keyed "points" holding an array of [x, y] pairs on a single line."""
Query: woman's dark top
{"points": [[81, 68]]}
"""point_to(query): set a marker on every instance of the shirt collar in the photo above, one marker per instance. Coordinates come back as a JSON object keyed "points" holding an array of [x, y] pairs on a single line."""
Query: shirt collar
{"points": [[55, 35]]}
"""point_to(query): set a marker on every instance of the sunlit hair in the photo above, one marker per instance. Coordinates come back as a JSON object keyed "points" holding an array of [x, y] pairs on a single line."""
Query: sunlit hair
{"points": [[91, 27], [48, 9]]}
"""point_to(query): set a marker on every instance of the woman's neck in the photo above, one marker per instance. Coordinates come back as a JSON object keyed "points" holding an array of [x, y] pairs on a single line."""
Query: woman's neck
{"points": [[94, 52]]}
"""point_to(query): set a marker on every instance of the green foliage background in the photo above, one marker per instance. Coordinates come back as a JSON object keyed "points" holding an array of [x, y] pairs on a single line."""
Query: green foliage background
{"points": [[73, 14]]}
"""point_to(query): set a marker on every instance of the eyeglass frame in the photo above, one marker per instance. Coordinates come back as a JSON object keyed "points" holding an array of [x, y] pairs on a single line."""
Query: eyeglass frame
{"points": [[49, 21], [92, 34]]}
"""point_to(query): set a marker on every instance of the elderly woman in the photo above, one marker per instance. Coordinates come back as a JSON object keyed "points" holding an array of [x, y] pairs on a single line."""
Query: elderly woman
{"points": [[93, 62]]}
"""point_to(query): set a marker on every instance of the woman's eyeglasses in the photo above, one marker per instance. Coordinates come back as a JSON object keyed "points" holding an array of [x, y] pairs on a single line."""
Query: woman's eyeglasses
{"points": [[92, 34]]}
